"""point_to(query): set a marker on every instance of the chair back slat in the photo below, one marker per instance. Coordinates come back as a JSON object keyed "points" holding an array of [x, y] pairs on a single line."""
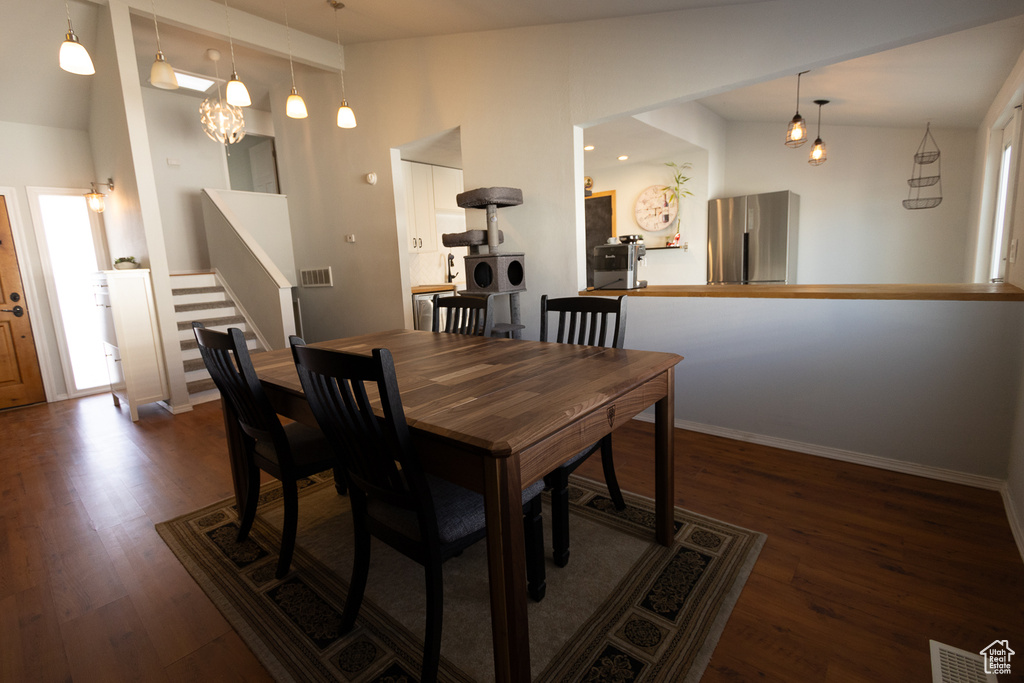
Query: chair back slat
{"points": [[375, 451], [470, 314], [226, 357], [588, 320]]}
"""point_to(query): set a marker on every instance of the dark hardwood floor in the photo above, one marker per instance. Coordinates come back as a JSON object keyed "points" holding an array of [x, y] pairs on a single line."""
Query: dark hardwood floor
{"points": [[861, 568]]}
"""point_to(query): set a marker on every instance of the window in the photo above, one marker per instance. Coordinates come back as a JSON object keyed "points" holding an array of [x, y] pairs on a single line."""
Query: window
{"points": [[1004, 186]]}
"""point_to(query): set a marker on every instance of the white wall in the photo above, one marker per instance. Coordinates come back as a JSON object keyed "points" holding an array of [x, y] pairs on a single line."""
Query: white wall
{"points": [[853, 227], [176, 136]]}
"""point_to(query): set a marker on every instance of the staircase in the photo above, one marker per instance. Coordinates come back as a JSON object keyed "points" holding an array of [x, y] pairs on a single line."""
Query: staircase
{"points": [[200, 297]]}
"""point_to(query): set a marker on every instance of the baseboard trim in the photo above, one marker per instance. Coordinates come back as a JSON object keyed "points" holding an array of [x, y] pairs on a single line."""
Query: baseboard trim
{"points": [[952, 476], [939, 473]]}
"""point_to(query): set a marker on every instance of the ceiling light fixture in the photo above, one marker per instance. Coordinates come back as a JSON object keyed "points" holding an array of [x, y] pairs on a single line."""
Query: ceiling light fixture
{"points": [[346, 117], [623, 157], [796, 134], [236, 92], [222, 121], [818, 154], [95, 199], [161, 75], [588, 148], [74, 58], [294, 107]]}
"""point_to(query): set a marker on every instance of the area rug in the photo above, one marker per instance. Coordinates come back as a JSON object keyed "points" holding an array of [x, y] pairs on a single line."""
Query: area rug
{"points": [[624, 609]]}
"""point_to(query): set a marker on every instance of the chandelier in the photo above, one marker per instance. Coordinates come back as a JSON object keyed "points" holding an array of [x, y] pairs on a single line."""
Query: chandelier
{"points": [[222, 122]]}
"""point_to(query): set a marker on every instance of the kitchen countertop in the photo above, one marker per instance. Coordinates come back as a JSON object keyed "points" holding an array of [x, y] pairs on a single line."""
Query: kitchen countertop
{"points": [[937, 292]]}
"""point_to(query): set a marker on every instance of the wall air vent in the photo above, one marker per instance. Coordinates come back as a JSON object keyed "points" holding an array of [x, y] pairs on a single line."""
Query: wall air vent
{"points": [[316, 277]]}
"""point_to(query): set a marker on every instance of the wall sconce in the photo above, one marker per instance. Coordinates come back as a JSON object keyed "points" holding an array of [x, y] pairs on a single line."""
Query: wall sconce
{"points": [[95, 199]]}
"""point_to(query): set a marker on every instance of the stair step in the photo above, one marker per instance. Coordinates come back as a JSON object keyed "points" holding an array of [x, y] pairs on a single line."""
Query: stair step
{"points": [[185, 291], [200, 385], [213, 322], [203, 306], [194, 364]]}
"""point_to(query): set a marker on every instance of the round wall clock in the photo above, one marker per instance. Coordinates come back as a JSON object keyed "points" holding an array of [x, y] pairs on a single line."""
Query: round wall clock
{"points": [[656, 208]]}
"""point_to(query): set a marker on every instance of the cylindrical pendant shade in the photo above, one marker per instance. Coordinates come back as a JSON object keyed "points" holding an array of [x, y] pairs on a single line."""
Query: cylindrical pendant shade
{"points": [[236, 92], [295, 108], [346, 117], [161, 75], [74, 58]]}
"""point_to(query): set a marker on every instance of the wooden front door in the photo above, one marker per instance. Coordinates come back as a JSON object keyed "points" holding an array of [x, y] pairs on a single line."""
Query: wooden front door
{"points": [[20, 380]]}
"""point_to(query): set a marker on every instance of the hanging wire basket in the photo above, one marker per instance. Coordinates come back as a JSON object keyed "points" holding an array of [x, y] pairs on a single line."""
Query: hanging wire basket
{"points": [[927, 153]]}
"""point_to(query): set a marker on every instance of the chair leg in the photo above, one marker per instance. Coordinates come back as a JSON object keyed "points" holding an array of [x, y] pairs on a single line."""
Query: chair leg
{"points": [[360, 570], [533, 527], [559, 483], [609, 473], [290, 526], [435, 613], [247, 513]]}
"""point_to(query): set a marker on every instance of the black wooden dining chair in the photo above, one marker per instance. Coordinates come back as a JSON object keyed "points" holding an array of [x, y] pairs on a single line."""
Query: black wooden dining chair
{"points": [[464, 315], [426, 518], [287, 452], [593, 321]]}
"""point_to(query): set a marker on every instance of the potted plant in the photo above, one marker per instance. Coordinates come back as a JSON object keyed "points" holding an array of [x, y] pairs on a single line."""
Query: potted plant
{"points": [[677, 189], [126, 263]]}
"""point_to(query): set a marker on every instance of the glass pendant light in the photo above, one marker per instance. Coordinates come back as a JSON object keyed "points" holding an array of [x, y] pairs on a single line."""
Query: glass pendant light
{"points": [[346, 117], [295, 108], [74, 58], [236, 93], [796, 134], [161, 75], [818, 153]]}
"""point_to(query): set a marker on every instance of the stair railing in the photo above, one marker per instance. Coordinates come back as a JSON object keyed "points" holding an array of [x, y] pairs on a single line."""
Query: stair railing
{"points": [[260, 289]]}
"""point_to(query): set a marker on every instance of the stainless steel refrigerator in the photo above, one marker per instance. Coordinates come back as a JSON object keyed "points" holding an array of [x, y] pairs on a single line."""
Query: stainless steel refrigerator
{"points": [[752, 239]]}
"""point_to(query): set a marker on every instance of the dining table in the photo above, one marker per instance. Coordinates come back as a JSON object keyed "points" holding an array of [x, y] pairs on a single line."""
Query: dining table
{"points": [[495, 415]]}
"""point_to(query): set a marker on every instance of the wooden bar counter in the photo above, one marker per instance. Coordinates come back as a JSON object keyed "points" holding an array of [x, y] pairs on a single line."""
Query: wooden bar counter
{"points": [[939, 292]]}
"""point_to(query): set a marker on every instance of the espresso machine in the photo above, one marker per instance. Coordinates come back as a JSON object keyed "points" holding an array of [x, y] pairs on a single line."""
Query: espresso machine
{"points": [[617, 264]]}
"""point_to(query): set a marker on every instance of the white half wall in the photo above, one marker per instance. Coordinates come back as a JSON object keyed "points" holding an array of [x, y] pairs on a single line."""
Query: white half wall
{"points": [[933, 383]]}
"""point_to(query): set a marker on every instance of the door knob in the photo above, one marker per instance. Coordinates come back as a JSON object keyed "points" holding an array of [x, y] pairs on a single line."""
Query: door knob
{"points": [[18, 311]]}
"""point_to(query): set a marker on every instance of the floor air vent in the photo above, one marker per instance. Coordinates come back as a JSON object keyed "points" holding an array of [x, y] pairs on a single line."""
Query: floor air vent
{"points": [[316, 277], [952, 665]]}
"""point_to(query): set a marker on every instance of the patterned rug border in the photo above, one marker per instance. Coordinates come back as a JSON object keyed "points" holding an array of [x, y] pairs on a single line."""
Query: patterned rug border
{"points": [[588, 498]]}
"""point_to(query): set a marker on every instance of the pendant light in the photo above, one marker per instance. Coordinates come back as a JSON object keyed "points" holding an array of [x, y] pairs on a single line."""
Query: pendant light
{"points": [[818, 153], [294, 107], [222, 121], [236, 93], [161, 75], [796, 134], [346, 117], [74, 58]]}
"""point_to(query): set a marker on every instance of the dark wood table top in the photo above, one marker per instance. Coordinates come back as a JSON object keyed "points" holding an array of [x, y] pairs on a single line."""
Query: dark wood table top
{"points": [[495, 396]]}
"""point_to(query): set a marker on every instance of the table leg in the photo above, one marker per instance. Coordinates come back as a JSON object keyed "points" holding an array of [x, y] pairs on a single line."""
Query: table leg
{"points": [[664, 462], [506, 560]]}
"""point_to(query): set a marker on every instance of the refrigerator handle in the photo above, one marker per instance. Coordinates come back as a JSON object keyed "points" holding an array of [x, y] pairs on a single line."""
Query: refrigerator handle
{"points": [[744, 274]]}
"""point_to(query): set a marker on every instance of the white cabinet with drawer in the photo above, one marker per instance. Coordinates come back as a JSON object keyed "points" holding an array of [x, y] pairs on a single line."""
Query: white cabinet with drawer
{"points": [[131, 340]]}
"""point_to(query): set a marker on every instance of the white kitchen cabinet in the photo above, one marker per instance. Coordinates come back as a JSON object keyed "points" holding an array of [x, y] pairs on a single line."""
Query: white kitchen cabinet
{"points": [[419, 188], [131, 340], [447, 185]]}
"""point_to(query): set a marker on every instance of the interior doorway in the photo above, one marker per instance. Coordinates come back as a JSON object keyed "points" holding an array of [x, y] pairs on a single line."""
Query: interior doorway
{"points": [[252, 164]]}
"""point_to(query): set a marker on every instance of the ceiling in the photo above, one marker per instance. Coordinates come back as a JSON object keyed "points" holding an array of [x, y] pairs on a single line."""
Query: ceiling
{"points": [[948, 81]]}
